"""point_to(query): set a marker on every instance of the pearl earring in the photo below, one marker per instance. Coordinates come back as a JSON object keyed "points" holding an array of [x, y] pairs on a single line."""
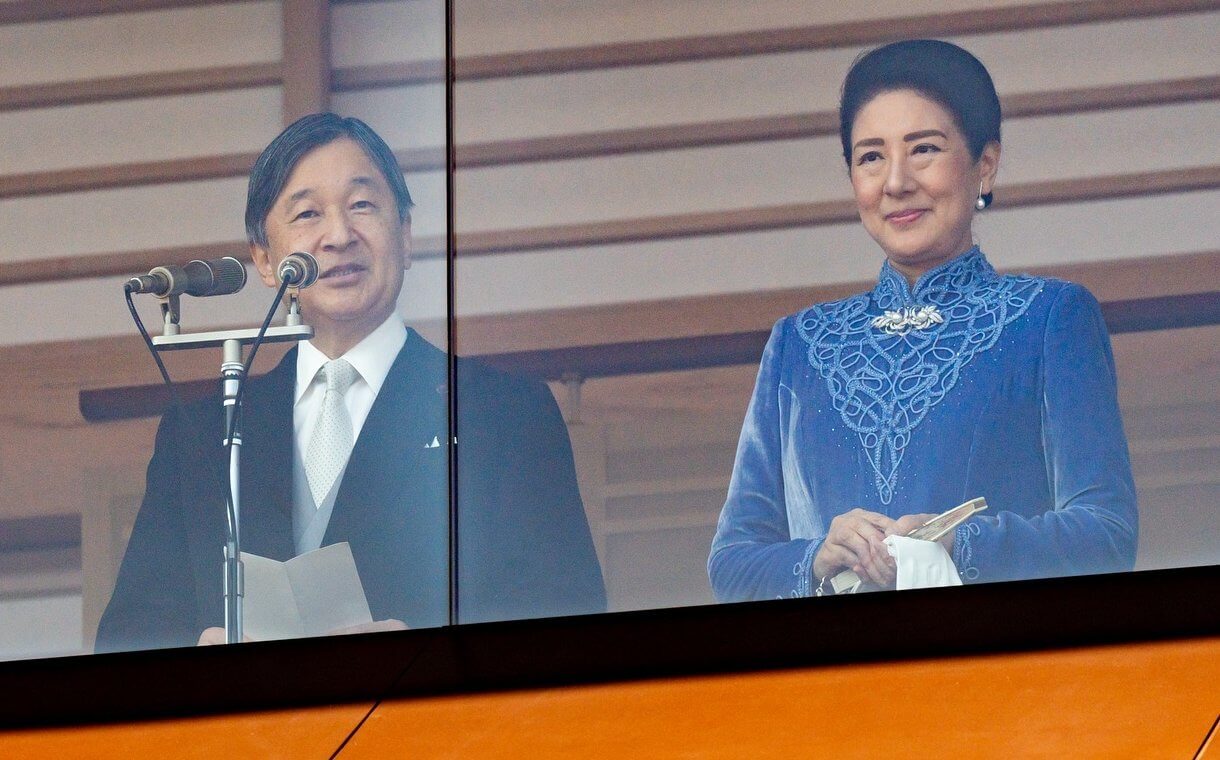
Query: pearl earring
{"points": [[981, 203]]}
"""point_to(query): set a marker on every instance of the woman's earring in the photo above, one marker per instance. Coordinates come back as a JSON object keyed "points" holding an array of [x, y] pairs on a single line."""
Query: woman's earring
{"points": [[980, 204]]}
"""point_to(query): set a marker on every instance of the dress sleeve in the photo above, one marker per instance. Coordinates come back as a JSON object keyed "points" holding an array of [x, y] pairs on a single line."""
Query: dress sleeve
{"points": [[753, 556], [1094, 523]]}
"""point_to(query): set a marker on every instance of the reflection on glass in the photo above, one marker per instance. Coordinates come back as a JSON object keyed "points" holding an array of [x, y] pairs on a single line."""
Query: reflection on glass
{"points": [[1169, 386], [523, 543]]}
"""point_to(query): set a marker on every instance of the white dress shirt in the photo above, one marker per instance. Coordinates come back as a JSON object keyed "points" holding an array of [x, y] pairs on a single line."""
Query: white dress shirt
{"points": [[371, 357]]}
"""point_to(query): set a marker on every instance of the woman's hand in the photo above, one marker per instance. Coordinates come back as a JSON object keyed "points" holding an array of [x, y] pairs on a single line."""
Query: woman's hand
{"points": [[907, 523], [855, 542]]}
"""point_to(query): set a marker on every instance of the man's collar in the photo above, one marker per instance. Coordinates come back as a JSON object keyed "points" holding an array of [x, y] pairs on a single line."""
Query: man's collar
{"points": [[372, 356]]}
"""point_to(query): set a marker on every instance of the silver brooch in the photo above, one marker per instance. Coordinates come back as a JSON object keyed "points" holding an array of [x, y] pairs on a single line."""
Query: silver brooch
{"points": [[902, 321]]}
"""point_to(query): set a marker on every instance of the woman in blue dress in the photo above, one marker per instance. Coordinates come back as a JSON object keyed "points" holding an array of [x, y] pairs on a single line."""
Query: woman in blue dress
{"points": [[945, 382]]}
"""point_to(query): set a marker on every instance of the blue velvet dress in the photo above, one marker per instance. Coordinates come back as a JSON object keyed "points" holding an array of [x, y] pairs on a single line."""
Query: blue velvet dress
{"points": [[986, 385]]}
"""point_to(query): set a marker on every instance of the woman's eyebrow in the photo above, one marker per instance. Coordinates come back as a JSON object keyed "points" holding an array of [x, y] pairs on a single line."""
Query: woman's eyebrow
{"points": [[924, 133]]}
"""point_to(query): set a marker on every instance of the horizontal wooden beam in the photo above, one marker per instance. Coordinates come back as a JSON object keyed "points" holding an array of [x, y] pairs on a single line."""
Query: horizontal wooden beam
{"points": [[395, 74], [816, 214], [603, 143], [24, 11], [126, 175], [187, 81], [559, 60], [658, 355], [762, 42], [23, 534], [193, 169], [814, 124], [818, 37], [641, 229], [116, 264], [704, 351], [405, 73], [1111, 97], [721, 313], [643, 139]]}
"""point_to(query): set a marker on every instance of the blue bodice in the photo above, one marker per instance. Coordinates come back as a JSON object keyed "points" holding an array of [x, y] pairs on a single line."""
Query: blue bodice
{"points": [[909, 400], [884, 382]]}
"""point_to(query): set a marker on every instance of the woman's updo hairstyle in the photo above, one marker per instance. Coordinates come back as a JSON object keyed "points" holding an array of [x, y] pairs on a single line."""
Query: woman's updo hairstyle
{"points": [[941, 72]]}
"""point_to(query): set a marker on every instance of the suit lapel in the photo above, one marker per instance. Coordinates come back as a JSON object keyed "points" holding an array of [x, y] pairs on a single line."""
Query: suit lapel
{"points": [[392, 504]]}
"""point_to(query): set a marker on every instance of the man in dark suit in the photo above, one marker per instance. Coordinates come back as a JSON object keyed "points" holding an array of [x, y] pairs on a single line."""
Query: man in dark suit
{"points": [[367, 385]]}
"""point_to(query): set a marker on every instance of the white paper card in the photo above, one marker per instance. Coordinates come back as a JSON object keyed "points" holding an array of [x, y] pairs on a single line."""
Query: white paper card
{"points": [[309, 595], [922, 564]]}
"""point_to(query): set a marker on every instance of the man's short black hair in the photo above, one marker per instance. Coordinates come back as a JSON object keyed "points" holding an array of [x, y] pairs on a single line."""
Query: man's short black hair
{"points": [[276, 162]]}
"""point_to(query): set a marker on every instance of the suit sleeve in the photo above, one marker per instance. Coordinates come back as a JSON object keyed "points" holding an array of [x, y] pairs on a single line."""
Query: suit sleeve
{"points": [[523, 539], [1094, 524], [153, 603], [753, 556]]}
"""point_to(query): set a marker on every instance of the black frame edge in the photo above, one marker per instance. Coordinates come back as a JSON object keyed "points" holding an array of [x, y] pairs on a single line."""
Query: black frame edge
{"points": [[993, 618]]}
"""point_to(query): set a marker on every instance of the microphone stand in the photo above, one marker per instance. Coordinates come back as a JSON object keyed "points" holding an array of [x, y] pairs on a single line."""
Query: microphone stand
{"points": [[232, 375]]}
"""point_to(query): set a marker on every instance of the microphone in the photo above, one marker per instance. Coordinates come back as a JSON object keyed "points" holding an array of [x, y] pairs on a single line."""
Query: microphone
{"points": [[214, 277], [299, 270]]}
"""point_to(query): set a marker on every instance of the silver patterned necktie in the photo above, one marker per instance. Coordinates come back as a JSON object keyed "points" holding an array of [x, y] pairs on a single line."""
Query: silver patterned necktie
{"points": [[331, 443]]}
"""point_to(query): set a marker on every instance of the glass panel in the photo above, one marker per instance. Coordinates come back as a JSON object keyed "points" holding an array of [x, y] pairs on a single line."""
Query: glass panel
{"points": [[319, 465], [1171, 408], [631, 234]]}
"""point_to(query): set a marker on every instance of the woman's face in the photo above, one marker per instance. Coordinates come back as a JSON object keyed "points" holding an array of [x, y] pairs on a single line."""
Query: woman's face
{"points": [[915, 181]]}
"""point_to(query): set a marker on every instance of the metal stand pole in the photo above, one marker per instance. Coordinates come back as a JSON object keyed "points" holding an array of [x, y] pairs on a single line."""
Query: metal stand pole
{"points": [[231, 370]]}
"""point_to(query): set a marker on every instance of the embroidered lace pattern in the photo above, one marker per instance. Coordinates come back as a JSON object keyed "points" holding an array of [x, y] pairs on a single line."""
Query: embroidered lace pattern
{"points": [[963, 550], [883, 384], [803, 571]]}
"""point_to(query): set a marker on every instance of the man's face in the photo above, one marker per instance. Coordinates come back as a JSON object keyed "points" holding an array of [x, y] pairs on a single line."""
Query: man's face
{"points": [[338, 206]]}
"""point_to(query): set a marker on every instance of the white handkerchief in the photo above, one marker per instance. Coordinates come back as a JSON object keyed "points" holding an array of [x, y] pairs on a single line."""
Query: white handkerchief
{"points": [[922, 564]]}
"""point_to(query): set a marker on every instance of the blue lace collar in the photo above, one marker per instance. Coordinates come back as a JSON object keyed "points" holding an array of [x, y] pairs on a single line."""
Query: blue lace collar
{"points": [[890, 355], [954, 277]]}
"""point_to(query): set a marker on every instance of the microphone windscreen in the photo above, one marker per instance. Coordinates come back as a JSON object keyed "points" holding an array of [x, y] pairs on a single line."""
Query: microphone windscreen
{"points": [[215, 277]]}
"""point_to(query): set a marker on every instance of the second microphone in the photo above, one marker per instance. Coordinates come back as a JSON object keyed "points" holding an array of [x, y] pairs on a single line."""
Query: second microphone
{"points": [[214, 277], [299, 270]]}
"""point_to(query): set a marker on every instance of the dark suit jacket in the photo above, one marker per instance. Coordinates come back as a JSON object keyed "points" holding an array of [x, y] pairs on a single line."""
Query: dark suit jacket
{"points": [[524, 548]]}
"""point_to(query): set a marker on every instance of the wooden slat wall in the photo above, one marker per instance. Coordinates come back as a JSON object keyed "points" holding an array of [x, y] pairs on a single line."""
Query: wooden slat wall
{"points": [[626, 173], [491, 160], [139, 86], [821, 36], [528, 150], [306, 65], [24, 11]]}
